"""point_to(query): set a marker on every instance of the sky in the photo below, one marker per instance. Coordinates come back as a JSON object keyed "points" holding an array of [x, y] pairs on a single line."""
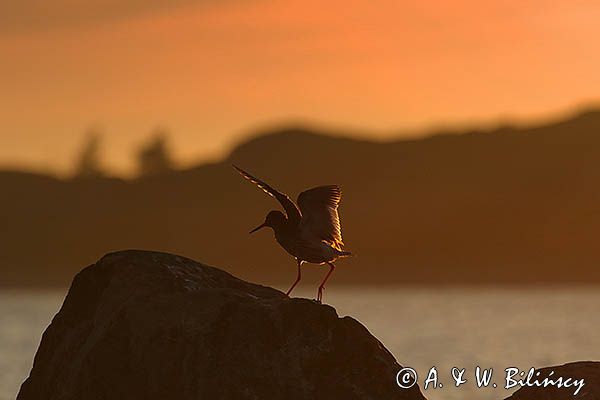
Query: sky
{"points": [[214, 72]]}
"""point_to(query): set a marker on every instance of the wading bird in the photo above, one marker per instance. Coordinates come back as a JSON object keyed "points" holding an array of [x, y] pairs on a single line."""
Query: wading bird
{"points": [[311, 231]]}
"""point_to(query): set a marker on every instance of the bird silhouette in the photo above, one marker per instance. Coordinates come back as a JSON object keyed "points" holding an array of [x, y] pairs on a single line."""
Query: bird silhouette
{"points": [[310, 231]]}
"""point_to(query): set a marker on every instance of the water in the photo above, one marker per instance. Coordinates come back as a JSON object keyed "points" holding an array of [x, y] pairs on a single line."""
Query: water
{"points": [[23, 317], [423, 328]]}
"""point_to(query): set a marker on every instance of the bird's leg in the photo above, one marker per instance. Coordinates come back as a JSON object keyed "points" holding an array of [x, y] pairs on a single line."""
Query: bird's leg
{"points": [[297, 278], [322, 285]]}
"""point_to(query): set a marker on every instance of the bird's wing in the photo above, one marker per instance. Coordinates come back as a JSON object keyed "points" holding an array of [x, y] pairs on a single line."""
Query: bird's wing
{"points": [[290, 208], [319, 213]]}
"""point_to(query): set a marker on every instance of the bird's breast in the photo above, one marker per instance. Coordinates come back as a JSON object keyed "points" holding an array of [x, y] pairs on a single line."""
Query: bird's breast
{"points": [[289, 242]]}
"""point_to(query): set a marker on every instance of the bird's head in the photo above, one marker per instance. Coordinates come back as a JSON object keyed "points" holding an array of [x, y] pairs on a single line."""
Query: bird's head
{"points": [[274, 220]]}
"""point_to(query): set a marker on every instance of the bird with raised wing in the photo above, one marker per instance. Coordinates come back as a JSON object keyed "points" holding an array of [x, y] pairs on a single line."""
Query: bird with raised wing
{"points": [[309, 231]]}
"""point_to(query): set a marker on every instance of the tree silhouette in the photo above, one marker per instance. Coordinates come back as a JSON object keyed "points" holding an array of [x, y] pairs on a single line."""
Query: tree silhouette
{"points": [[88, 164], [153, 157]]}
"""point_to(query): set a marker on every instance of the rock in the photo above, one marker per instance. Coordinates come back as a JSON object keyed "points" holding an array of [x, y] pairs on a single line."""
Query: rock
{"points": [[587, 370], [147, 325]]}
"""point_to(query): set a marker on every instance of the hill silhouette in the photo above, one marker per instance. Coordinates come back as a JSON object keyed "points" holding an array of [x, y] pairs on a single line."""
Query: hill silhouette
{"points": [[512, 205]]}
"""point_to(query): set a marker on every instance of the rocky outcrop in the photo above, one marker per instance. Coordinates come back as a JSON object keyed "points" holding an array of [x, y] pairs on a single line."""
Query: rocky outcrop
{"points": [[147, 325], [589, 371]]}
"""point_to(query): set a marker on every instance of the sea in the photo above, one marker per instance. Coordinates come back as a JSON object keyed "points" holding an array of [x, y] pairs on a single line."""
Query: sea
{"points": [[440, 333]]}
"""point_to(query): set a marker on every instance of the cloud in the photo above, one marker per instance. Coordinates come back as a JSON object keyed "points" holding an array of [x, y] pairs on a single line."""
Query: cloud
{"points": [[18, 16]]}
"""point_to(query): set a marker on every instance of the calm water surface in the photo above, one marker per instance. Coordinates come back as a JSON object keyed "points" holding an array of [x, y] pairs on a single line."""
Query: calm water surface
{"points": [[486, 327]]}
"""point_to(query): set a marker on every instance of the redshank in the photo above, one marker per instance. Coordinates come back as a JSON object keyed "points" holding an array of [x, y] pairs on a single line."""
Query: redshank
{"points": [[311, 231]]}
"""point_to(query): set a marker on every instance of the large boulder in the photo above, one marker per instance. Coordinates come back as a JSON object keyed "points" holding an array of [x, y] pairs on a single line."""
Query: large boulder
{"points": [[589, 371], [147, 325]]}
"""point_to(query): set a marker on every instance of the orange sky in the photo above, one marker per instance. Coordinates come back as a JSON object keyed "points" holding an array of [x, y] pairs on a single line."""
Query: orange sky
{"points": [[213, 71]]}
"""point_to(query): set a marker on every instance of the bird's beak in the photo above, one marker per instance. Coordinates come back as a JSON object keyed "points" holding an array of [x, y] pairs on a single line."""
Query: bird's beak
{"points": [[258, 227]]}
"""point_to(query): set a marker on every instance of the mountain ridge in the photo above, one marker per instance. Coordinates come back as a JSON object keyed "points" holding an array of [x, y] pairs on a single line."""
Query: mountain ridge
{"points": [[511, 205]]}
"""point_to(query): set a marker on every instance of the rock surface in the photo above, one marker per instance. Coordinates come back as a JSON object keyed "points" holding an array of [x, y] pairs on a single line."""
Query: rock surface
{"points": [[147, 325], [587, 370]]}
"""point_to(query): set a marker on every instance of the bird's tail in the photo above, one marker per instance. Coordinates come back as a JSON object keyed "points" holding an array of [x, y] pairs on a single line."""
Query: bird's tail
{"points": [[343, 253]]}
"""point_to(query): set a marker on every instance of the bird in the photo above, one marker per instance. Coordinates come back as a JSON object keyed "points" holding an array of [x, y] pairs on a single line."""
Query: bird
{"points": [[310, 231]]}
